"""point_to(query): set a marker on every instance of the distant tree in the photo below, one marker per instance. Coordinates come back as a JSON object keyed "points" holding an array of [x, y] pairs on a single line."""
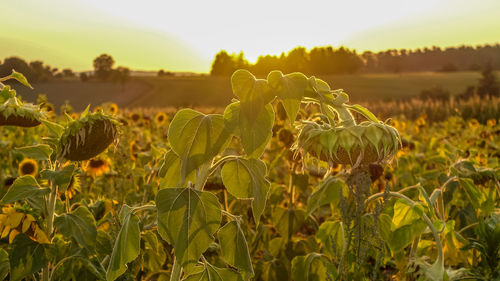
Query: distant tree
{"points": [[120, 75], [84, 77], [68, 73], [488, 84], [103, 66], [162, 73], [19, 65], [223, 64]]}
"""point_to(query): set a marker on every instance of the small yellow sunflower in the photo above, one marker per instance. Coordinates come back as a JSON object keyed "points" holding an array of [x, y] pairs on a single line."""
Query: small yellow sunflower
{"points": [[98, 109], [28, 167], [491, 122], [134, 149], [13, 222], [74, 116], [160, 118], [96, 166], [135, 117], [473, 123], [113, 108]]}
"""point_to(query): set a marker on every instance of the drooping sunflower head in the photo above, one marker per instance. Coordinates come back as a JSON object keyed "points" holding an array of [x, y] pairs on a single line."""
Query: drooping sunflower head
{"points": [[88, 136], [28, 167], [364, 143], [97, 166], [14, 112], [160, 119]]}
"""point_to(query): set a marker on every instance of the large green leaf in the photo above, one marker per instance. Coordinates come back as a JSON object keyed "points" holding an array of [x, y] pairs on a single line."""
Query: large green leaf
{"points": [[287, 221], [170, 171], [4, 264], [254, 131], [313, 267], [472, 192], [127, 245], [187, 219], [197, 138], [328, 192], [212, 273], [404, 214], [154, 254], [245, 178], [331, 235], [234, 248], [253, 93], [79, 224], [290, 89], [26, 257], [61, 178], [40, 152], [25, 187]]}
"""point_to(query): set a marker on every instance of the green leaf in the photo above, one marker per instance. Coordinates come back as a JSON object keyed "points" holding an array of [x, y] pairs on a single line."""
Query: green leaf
{"points": [[472, 192], [252, 92], [313, 267], [287, 221], [4, 264], [290, 89], [23, 188], [61, 178], [328, 192], [187, 219], [26, 257], [55, 130], [154, 254], [6, 93], [331, 236], [234, 248], [212, 273], [20, 77], [127, 245], [79, 224], [363, 111], [40, 152], [255, 131], [197, 138], [170, 171], [404, 214], [245, 178]]}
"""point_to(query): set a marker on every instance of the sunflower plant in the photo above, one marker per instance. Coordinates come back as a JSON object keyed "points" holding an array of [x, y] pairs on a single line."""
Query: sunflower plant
{"points": [[195, 225]]}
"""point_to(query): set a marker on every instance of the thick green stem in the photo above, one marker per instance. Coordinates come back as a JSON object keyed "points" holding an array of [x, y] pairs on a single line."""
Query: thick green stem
{"points": [[51, 206], [176, 271]]}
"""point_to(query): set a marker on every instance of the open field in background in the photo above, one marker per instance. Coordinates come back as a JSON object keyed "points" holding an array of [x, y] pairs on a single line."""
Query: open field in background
{"points": [[216, 91]]}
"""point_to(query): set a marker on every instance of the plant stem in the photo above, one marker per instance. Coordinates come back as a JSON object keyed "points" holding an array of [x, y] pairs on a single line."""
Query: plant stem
{"points": [[51, 206], [176, 271], [440, 259]]}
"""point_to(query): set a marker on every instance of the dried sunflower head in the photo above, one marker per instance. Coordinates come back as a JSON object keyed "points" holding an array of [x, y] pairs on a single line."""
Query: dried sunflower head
{"points": [[88, 136], [364, 143], [14, 112]]}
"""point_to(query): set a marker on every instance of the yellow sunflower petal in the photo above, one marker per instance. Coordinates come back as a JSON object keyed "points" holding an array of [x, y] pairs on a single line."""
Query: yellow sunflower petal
{"points": [[12, 235], [27, 222], [14, 219]]}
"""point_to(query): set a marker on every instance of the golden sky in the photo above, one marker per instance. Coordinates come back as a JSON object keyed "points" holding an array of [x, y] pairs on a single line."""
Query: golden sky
{"points": [[185, 35]]}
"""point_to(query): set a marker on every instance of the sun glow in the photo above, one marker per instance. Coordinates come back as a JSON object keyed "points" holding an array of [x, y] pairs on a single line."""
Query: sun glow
{"points": [[185, 35]]}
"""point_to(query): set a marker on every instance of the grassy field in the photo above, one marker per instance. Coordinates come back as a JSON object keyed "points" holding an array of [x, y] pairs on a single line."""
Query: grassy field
{"points": [[216, 91]]}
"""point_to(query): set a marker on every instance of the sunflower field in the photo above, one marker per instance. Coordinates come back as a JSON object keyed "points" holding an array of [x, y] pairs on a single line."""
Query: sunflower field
{"points": [[288, 182]]}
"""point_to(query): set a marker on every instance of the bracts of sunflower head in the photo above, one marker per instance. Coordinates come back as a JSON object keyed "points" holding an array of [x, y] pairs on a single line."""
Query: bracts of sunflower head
{"points": [[364, 143], [88, 136]]}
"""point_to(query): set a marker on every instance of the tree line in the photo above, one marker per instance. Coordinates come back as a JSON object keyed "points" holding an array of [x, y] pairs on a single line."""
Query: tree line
{"points": [[38, 71], [342, 60]]}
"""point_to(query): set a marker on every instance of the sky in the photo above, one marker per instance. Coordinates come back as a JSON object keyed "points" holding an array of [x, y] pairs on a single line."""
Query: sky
{"points": [[185, 35]]}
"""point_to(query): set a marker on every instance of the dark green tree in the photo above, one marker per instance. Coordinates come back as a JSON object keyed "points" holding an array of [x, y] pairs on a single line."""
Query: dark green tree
{"points": [[488, 84], [103, 66]]}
